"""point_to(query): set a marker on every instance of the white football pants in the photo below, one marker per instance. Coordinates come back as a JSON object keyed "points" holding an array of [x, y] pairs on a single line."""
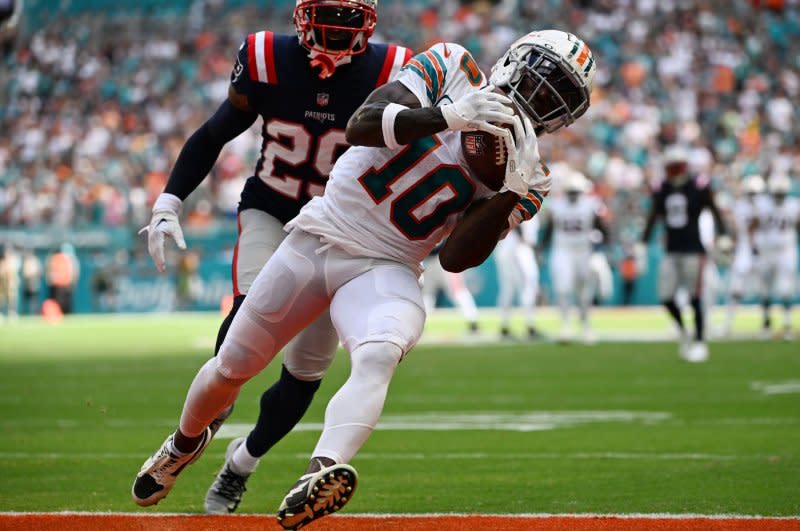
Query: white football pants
{"points": [[311, 352], [375, 305]]}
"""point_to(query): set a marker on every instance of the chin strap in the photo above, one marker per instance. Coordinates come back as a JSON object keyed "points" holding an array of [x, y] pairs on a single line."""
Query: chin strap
{"points": [[327, 64]]}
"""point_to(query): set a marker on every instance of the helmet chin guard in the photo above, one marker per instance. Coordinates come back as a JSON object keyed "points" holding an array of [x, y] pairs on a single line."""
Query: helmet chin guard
{"points": [[549, 74], [334, 31]]}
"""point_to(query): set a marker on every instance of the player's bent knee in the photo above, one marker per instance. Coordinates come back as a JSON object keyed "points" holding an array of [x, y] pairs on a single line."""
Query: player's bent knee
{"points": [[247, 349], [306, 373], [378, 359]]}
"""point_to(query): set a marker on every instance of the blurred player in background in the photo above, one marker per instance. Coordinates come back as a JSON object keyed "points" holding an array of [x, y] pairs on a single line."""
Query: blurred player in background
{"points": [[357, 249], [518, 274], [741, 276], [9, 281], [777, 224], [305, 87], [63, 272], [572, 221], [679, 200], [436, 280]]}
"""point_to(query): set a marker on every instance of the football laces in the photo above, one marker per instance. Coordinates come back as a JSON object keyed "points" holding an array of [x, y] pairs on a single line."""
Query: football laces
{"points": [[500, 151]]}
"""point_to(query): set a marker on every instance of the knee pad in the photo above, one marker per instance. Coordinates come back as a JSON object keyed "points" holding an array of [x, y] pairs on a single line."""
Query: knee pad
{"points": [[247, 349], [306, 365], [377, 360]]}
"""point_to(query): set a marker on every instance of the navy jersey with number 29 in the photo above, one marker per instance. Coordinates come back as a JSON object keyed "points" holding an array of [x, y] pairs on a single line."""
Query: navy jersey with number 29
{"points": [[304, 117]]}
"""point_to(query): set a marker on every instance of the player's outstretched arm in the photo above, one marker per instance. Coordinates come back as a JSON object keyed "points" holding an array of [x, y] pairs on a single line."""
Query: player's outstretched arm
{"points": [[196, 159], [477, 233]]}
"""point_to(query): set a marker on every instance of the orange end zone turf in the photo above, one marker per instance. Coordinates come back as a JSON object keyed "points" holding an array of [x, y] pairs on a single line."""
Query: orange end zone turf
{"points": [[143, 522]]}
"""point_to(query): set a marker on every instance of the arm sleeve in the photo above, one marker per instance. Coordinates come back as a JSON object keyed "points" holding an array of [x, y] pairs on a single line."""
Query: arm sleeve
{"points": [[202, 149]]}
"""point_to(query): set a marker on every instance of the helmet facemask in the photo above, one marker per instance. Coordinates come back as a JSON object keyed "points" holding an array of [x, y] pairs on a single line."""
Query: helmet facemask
{"points": [[334, 30], [544, 88]]}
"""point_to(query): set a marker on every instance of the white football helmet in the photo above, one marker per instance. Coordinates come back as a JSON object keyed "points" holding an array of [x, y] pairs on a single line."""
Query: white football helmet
{"points": [[779, 184], [334, 30], [753, 185], [675, 154], [576, 182], [549, 74]]}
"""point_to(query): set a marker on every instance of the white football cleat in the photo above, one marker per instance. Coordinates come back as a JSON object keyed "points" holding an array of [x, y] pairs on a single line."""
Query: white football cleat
{"points": [[226, 492], [697, 353], [159, 472]]}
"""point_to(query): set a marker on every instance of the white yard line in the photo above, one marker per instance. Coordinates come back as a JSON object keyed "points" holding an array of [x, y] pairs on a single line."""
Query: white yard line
{"points": [[777, 388]]}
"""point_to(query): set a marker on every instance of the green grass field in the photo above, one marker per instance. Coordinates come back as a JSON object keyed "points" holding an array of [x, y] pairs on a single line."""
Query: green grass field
{"points": [[491, 428]]}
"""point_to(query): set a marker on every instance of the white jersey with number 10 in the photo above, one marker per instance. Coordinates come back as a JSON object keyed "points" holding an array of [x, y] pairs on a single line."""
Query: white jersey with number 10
{"points": [[399, 203]]}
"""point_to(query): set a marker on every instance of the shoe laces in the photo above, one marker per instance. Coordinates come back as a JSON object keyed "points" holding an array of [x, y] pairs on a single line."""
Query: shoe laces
{"points": [[231, 485], [170, 460]]}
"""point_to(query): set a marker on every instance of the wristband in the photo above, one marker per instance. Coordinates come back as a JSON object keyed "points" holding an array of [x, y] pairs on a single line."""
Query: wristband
{"points": [[390, 113], [169, 203]]}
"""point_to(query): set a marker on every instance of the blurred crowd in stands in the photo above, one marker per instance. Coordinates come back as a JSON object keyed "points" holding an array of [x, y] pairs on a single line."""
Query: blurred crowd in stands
{"points": [[94, 108]]}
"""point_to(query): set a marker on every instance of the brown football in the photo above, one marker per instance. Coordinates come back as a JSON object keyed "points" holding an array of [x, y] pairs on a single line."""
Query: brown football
{"points": [[486, 157]]}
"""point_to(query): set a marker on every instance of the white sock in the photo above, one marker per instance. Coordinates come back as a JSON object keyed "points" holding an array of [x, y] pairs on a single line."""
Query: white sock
{"points": [[354, 410], [787, 317], [242, 462]]}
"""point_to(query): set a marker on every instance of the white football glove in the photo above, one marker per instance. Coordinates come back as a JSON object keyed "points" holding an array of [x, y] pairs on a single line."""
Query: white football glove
{"points": [[164, 223], [475, 110], [524, 170]]}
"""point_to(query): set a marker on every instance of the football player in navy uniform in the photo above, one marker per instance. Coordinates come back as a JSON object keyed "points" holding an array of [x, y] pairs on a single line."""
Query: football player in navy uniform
{"points": [[305, 90], [679, 200]]}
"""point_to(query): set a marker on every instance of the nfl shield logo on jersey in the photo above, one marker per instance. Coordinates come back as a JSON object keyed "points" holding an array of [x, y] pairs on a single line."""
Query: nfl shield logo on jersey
{"points": [[323, 98]]}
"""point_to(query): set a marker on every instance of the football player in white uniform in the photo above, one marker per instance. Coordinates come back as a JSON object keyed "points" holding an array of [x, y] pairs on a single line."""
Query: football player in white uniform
{"points": [[518, 273], [572, 220], [356, 250], [305, 87], [740, 277], [777, 224]]}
